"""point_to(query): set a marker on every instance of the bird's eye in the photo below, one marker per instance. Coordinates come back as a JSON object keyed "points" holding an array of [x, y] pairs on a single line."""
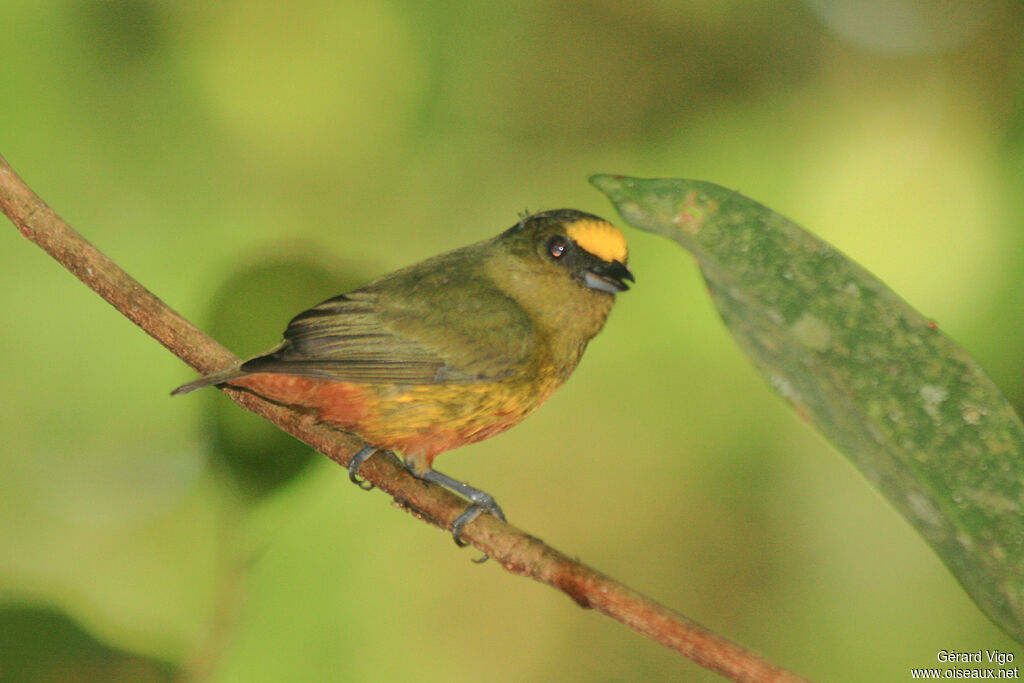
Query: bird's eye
{"points": [[557, 246]]}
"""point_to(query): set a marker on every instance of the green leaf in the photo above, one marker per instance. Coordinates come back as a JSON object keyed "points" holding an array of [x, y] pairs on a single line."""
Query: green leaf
{"points": [[41, 645], [901, 400]]}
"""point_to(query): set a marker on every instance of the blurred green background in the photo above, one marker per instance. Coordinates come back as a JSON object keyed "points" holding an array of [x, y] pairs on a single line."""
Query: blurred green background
{"points": [[246, 159]]}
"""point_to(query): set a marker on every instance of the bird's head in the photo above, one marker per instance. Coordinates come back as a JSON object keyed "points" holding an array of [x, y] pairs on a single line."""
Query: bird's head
{"points": [[588, 250]]}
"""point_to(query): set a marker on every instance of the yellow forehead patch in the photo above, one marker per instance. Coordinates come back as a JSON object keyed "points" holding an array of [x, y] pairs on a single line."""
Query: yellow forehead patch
{"points": [[601, 239]]}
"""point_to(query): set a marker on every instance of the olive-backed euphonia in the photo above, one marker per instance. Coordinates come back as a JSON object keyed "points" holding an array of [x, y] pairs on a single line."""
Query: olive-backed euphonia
{"points": [[451, 350]]}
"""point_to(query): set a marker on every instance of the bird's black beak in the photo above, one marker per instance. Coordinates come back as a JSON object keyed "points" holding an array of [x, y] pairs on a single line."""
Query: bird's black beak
{"points": [[608, 277]]}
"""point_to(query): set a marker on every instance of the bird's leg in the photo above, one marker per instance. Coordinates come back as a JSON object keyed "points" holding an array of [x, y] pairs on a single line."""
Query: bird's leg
{"points": [[481, 501], [358, 459]]}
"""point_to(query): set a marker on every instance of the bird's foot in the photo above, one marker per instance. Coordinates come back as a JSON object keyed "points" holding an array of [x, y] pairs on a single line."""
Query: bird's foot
{"points": [[353, 466], [481, 501]]}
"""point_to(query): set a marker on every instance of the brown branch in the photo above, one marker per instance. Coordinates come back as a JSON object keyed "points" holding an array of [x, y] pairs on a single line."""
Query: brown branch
{"points": [[516, 551]]}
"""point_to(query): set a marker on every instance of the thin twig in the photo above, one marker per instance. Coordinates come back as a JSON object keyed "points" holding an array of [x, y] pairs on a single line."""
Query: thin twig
{"points": [[516, 551]]}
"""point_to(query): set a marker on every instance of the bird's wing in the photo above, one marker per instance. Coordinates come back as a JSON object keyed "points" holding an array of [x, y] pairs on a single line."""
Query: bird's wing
{"points": [[424, 337]]}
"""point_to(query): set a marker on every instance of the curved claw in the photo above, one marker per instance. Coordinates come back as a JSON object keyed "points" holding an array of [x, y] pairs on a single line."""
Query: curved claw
{"points": [[481, 502], [471, 513], [353, 466]]}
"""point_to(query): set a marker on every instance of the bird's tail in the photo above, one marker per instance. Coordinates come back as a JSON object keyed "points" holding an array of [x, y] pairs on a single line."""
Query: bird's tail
{"points": [[207, 380]]}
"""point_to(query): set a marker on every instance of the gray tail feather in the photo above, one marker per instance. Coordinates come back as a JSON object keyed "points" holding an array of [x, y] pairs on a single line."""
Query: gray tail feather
{"points": [[208, 380]]}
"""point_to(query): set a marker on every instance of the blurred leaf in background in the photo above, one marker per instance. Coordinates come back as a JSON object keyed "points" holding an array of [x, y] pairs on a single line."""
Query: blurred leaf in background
{"points": [[251, 308], [183, 138], [41, 645]]}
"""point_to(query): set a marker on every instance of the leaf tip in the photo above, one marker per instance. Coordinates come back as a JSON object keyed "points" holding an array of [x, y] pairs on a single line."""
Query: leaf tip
{"points": [[608, 183]]}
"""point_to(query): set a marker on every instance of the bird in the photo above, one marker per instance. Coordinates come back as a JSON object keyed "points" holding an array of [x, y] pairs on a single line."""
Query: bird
{"points": [[449, 351]]}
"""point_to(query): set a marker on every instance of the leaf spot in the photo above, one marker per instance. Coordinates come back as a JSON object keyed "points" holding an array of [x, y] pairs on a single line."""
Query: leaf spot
{"points": [[812, 332], [924, 510], [971, 413], [933, 396]]}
